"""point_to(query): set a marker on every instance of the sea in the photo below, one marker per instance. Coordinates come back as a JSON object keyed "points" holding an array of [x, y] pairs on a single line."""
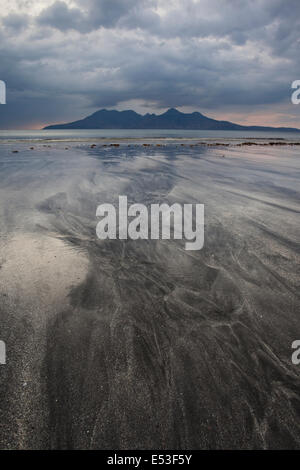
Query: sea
{"points": [[82, 135]]}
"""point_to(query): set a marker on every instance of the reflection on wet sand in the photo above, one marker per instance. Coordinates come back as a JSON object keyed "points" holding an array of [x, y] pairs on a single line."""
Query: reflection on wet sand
{"points": [[141, 344]]}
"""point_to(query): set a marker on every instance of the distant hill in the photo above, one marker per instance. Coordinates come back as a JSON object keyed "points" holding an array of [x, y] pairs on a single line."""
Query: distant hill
{"points": [[171, 119]]}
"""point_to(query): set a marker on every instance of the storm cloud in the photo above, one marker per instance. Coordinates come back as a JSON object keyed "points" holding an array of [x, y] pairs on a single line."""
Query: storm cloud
{"points": [[62, 60]]}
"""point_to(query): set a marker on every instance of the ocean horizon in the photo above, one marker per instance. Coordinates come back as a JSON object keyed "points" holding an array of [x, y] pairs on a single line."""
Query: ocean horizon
{"points": [[140, 134]]}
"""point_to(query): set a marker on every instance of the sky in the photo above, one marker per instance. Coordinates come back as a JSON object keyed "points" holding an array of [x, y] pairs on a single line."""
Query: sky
{"points": [[229, 59]]}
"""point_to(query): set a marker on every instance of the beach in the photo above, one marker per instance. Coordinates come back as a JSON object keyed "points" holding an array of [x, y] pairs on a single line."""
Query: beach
{"points": [[140, 344]]}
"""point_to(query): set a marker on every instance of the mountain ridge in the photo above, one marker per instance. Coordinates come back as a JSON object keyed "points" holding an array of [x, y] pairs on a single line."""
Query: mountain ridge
{"points": [[170, 119]]}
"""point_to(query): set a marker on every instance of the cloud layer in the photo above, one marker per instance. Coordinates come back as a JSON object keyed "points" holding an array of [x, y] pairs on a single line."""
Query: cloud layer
{"points": [[64, 59]]}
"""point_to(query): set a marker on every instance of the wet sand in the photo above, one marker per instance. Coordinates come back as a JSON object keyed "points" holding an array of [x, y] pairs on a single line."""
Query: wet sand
{"points": [[141, 344]]}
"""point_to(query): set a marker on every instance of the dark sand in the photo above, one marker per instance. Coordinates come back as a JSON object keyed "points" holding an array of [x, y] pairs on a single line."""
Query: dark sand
{"points": [[141, 344]]}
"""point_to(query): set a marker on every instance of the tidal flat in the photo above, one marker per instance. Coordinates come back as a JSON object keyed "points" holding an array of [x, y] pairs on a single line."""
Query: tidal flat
{"points": [[140, 344]]}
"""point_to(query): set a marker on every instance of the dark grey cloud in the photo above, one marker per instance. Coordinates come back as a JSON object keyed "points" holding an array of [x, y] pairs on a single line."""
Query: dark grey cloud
{"points": [[64, 60], [107, 13], [16, 22], [96, 14], [61, 17]]}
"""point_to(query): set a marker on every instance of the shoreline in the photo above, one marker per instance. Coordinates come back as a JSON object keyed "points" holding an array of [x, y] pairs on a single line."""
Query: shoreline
{"points": [[156, 142]]}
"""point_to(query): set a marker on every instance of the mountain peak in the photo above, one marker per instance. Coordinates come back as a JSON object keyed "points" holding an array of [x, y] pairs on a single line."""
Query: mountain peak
{"points": [[171, 119], [172, 111]]}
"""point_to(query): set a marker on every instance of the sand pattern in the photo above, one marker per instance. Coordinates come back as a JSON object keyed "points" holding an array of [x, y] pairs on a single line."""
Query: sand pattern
{"points": [[122, 344]]}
